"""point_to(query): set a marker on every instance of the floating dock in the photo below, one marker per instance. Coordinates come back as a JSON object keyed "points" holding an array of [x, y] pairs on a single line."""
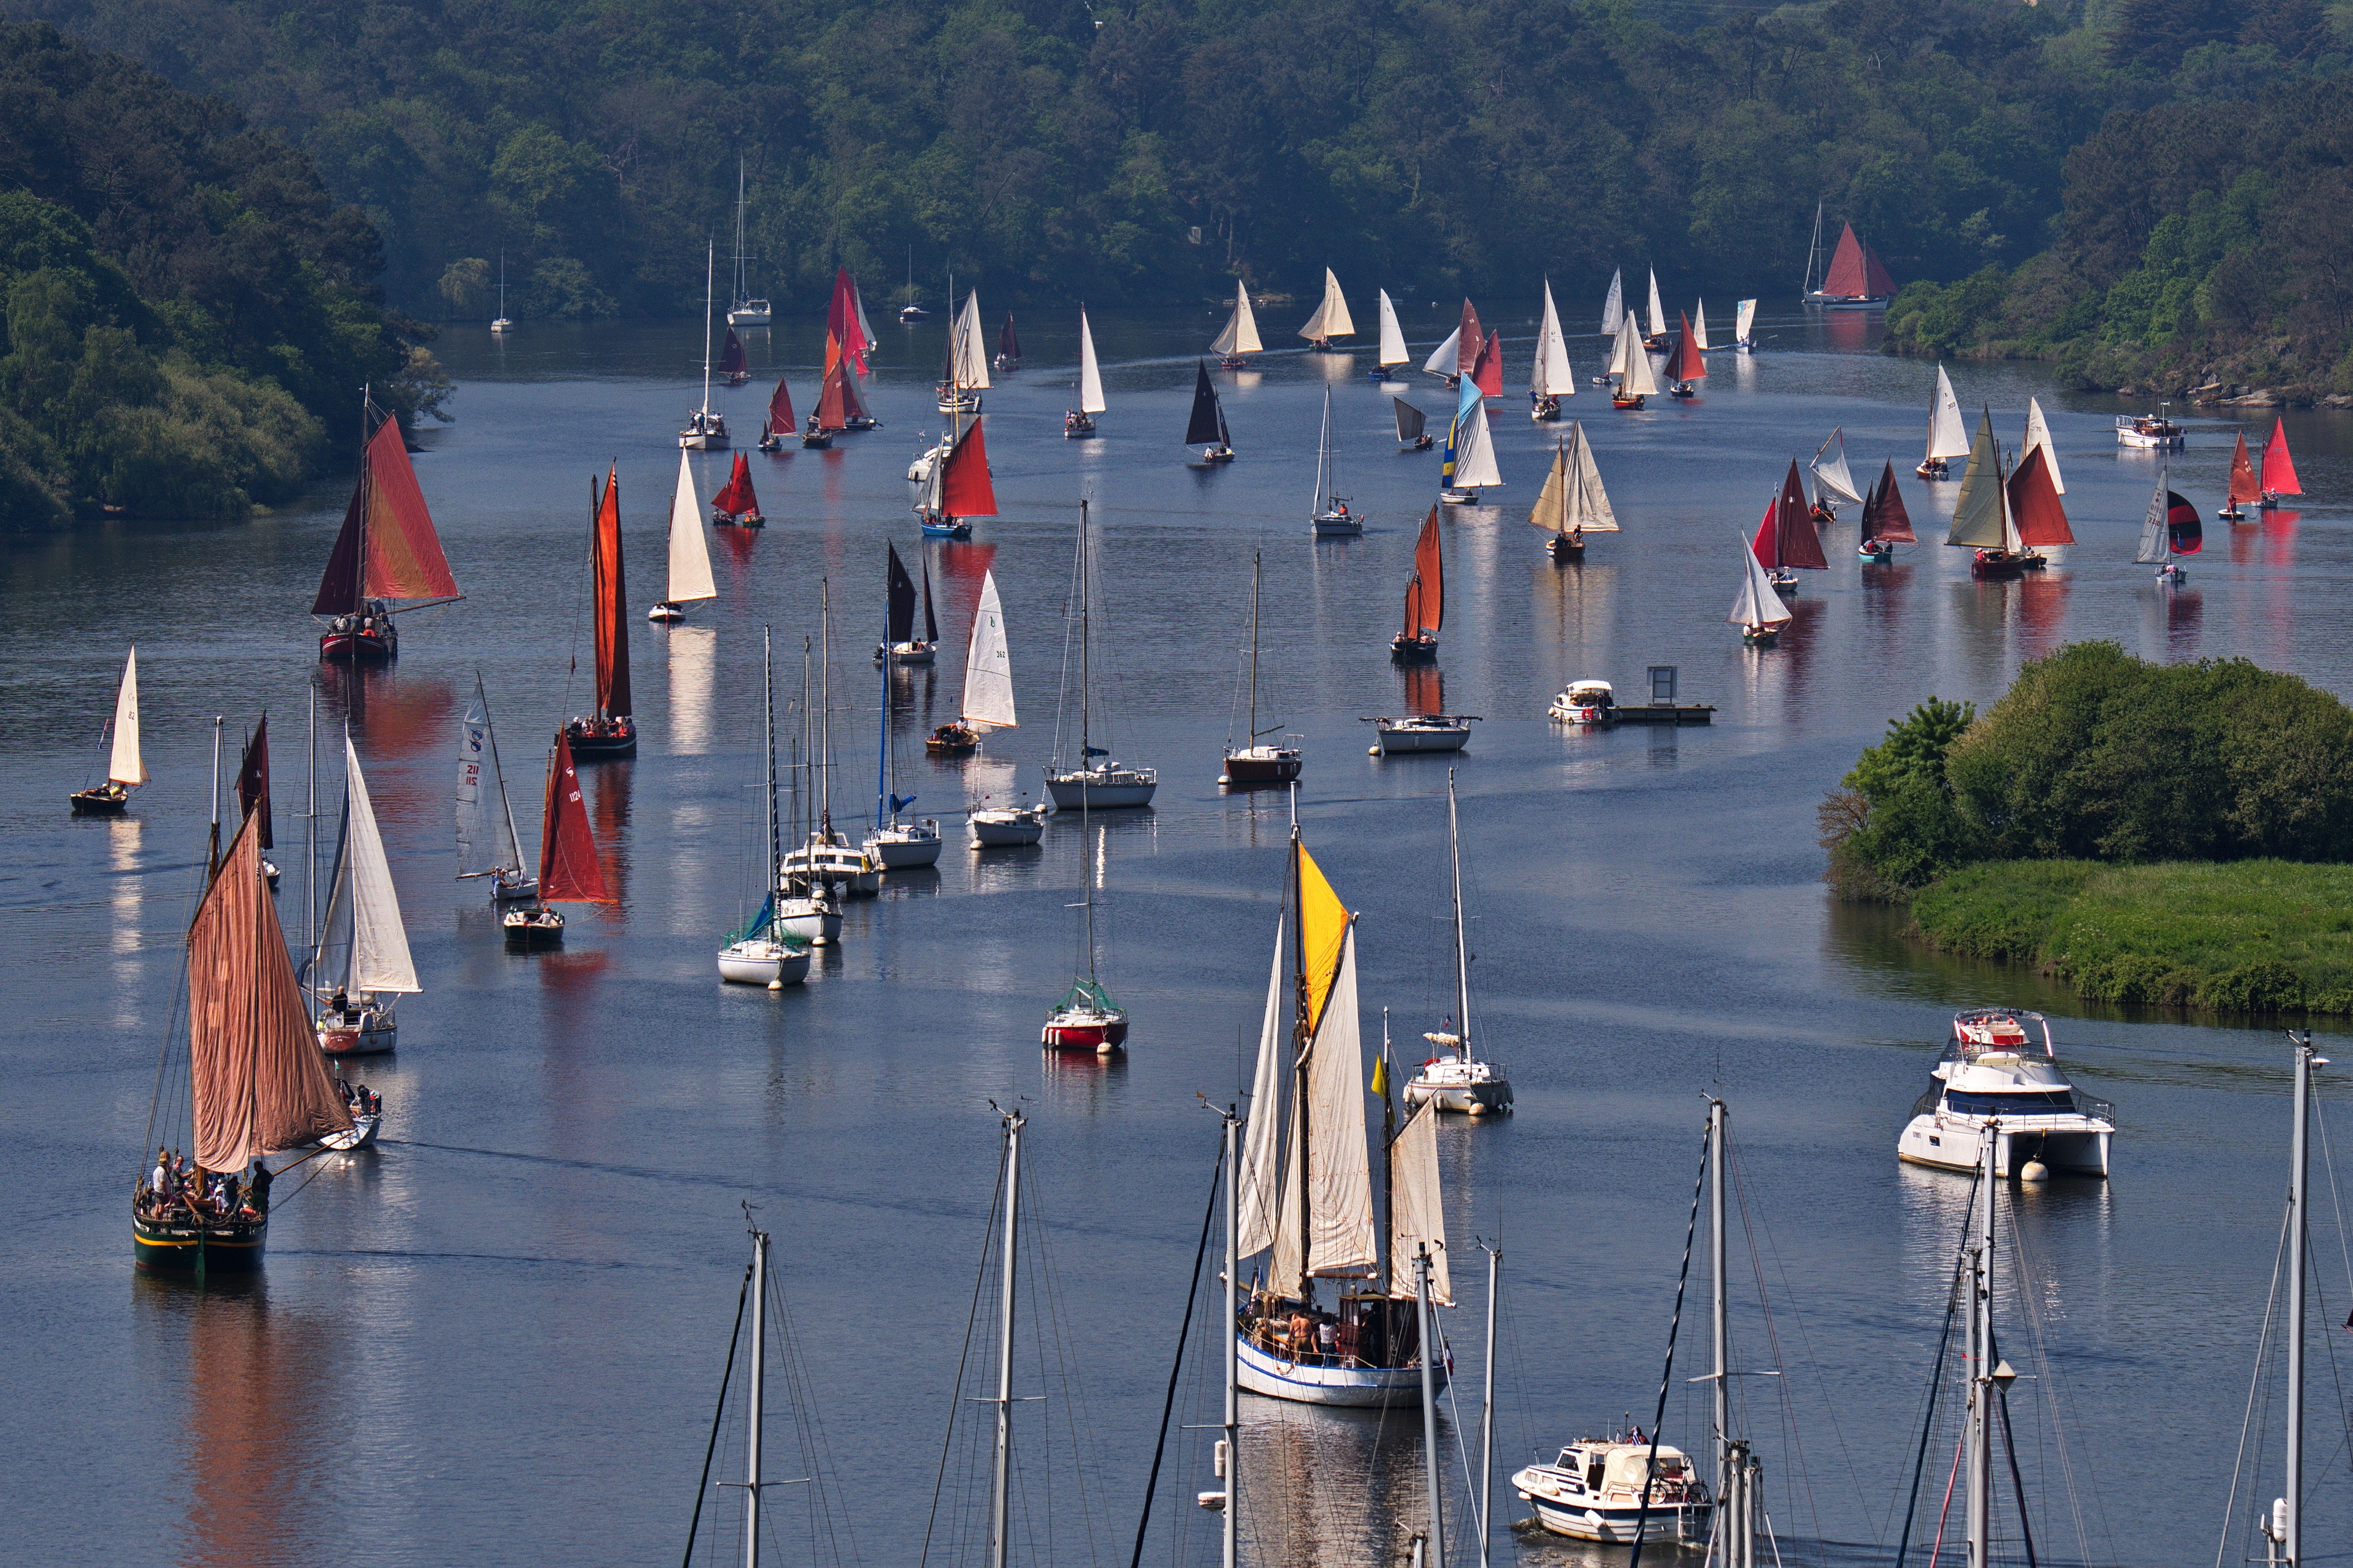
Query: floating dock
{"points": [[1663, 714]]}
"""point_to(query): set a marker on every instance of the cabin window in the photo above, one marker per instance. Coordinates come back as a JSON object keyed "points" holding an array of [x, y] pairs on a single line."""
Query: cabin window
{"points": [[2012, 1102]]}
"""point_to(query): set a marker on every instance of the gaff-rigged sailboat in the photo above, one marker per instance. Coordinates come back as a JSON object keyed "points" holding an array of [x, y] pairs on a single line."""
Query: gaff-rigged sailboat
{"points": [[1834, 481], [1330, 319], [2245, 487], [1081, 421], [362, 960], [1453, 359], [2008, 520], [256, 1084], [966, 375], [732, 362], [1329, 1322], [1573, 503], [1885, 522], [569, 871], [1425, 599], [2038, 435], [611, 731], [1008, 345], [1328, 514], [386, 560], [958, 489], [779, 421], [1207, 427], [1786, 538], [488, 844], [690, 557], [1549, 378], [1947, 437], [1238, 338], [1685, 363], [124, 769]]}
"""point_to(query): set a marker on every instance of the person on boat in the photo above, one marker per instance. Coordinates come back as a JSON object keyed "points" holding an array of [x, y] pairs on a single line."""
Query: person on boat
{"points": [[814, 427], [257, 1190], [1823, 514]]}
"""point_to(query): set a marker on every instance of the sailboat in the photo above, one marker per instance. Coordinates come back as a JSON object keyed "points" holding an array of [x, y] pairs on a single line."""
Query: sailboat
{"points": [[1613, 304], [1081, 421], [900, 644], [2009, 518], [1685, 363], [499, 325], [1885, 522], [2171, 528], [732, 362], [1411, 426], [1425, 599], [1573, 503], [779, 422], [1469, 463], [362, 962], [1454, 358], [569, 871], [1699, 324], [1786, 539], [488, 844], [988, 701], [1834, 481], [1305, 1187], [1330, 319], [1656, 338], [1008, 345], [1392, 352], [1258, 763], [744, 311], [690, 557], [124, 769], [1238, 338], [1206, 427], [764, 952], [1549, 378], [1328, 514], [2038, 434], [2279, 468], [911, 312], [386, 560], [2245, 487], [1629, 362], [802, 905], [839, 407], [1758, 612], [965, 376], [1457, 1080], [610, 731], [256, 1084], [894, 845], [1947, 437], [1099, 780], [826, 861], [848, 334], [706, 427], [1744, 325], [1855, 276], [958, 489], [1086, 1018]]}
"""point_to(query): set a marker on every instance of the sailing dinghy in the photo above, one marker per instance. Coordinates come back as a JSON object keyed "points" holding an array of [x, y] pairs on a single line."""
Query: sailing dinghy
{"points": [[958, 489], [2245, 487], [2006, 519], [1573, 503], [1947, 437], [1425, 599], [988, 701], [731, 363], [899, 643], [2279, 468], [362, 962], [1008, 345], [1758, 612], [386, 560], [610, 731], [1328, 512], [689, 558], [1655, 339], [2171, 528], [1834, 481], [124, 770], [1412, 434], [1744, 327], [1685, 363], [1469, 464], [1393, 353], [1629, 362], [778, 422], [1549, 378], [2038, 434], [569, 871], [1330, 319], [488, 844], [1081, 421], [1786, 539], [1238, 338], [1206, 427], [1885, 522]]}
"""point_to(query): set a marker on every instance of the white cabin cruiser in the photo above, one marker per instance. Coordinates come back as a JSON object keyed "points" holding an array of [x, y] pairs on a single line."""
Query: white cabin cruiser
{"points": [[1593, 1491], [1989, 1076], [1586, 702]]}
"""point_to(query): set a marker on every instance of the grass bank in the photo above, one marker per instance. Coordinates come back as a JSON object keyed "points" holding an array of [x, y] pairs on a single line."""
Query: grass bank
{"points": [[2239, 936]]}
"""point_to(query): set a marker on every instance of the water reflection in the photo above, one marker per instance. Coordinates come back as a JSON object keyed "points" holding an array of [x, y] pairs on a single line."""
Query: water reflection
{"points": [[608, 812], [2042, 612], [1331, 1489], [1424, 687], [2185, 613], [693, 673]]}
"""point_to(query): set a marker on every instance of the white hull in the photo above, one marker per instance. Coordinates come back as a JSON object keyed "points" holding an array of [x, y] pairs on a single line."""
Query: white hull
{"points": [[1421, 738], [762, 963], [905, 848], [813, 922], [1493, 1097], [999, 829], [1263, 1372], [1584, 1522], [361, 1135], [522, 891], [749, 314], [1101, 792], [2069, 1146]]}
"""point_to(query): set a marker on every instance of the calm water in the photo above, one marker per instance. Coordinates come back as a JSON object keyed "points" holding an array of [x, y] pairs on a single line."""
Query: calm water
{"points": [[497, 1339]]}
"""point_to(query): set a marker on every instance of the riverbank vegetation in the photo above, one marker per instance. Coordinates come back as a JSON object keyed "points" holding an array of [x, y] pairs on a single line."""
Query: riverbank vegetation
{"points": [[189, 315], [2122, 824]]}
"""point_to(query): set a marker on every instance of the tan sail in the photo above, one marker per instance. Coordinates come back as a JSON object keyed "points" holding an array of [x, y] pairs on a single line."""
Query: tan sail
{"points": [[1330, 319], [1573, 497], [1257, 1190], [127, 767], [257, 1084], [1417, 1209], [1240, 334], [1981, 516]]}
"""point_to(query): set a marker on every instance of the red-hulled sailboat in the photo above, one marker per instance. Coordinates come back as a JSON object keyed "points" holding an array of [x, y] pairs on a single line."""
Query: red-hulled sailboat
{"points": [[2243, 485], [569, 871], [386, 560], [1885, 522], [780, 421], [2279, 468], [736, 505], [1786, 539], [958, 488], [1425, 599], [1685, 363], [610, 731]]}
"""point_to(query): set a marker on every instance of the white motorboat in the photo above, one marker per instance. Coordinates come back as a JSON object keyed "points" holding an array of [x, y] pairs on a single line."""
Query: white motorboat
{"points": [[1000, 827], [1989, 1076], [2150, 432], [1585, 703], [1099, 782], [765, 961], [1456, 1079], [1421, 732], [1593, 1491], [904, 846]]}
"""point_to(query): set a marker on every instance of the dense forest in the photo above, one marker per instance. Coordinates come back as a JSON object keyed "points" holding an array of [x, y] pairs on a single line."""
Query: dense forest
{"points": [[188, 311], [1148, 150]]}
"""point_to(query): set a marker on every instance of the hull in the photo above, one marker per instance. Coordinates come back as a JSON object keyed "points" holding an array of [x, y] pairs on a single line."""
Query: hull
{"points": [[523, 931], [1362, 1387], [1088, 1031], [1261, 766], [598, 741], [1120, 791], [815, 924], [908, 653], [368, 645], [103, 801], [364, 1128], [372, 1038], [905, 850], [1580, 1521], [946, 527], [951, 740], [758, 963], [522, 891], [1561, 547], [748, 315], [1947, 1146], [1404, 650], [1432, 738], [1491, 1099], [182, 1244], [1005, 829]]}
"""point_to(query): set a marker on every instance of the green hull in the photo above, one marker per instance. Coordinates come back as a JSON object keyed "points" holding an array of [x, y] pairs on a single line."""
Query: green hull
{"points": [[182, 1247]]}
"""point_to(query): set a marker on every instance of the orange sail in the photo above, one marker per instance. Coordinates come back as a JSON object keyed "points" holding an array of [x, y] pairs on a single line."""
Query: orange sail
{"points": [[569, 871], [845, 340], [2279, 468], [2243, 487], [965, 490], [1426, 598], [1787, 537], [256, 1081], [2034, 506], [404, 561], [781, 421], [611, 610], [737, 500], [1487, 371], [1684, 361]]}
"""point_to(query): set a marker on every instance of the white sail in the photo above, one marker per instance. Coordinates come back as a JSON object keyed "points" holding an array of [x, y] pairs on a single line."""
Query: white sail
{"points": [[380, 960], [1624, 347], [126, 766], [1587, 504], [1699, 324], [2038, 434], [1339, 1176], [1758, 605], [865, 327], [987, 668], [1947, 437], [690, 557], [1550, 376], [1474, 451], [1240, 334], [2153, 549], [484, 819], [1392, 335], [1444, 361], [1257, 1193], [1418, 1208], [1744, 320], [1090, 397], [1830, 468], [1330, 319], [1658, 316], [1613, 308], [1638, 380], [971, 345]]}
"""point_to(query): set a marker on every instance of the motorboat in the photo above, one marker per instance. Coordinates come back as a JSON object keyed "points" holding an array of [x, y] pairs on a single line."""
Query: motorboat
{"points": [[1421, 732], [1001, 826], [2150, 432], [1586, 702], [1104, 787], [904, 846], [1989, 1076], [1594, 1491]]}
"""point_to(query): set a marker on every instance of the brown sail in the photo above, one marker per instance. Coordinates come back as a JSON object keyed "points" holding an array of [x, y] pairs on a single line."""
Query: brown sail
{"points": [[387, 516], [1889, 520], [1429, 571], [257, 1083], [612, 604]]}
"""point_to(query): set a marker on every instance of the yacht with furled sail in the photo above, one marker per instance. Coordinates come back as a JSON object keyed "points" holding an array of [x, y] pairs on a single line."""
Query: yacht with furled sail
{"points": [[119, 739], [894, 845], [569, 871], [988, 701], [1330, 319], [1549, 377], [1629, 362], [1257, 762], [1856, 276], [1833, 480], [488, 844], [1572, 503], [737, 505], [2006, 519], [1238, 338], [805, 906], [690, 557], [764, 951], [1947, 437], [1081, 421], [706, 427], [1758, 612], [611, 729], [1469, 464], [1086, 1018], [743, 310], [1425, 599], [362, 962], [1885, 522], [1099, 780], [1456, 1079], [1685, 363], [387, 560], [827, 862], [1786, 539], [256, 1084], [499, 325], [1207, 427], [2279, 468], [1991, 1080], [779, 421], [1329, 1320], [1328, 512], [1392, 351], [2171, 528]]}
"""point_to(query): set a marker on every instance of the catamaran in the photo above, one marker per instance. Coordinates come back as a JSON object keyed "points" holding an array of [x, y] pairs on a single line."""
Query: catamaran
{"points": [[706, 427], [1758, 612], [1081, 421], [1425, 599], [1989, 1081], [386, 560], [1572, 503], [488, 844], [1549, 377], [2279, 468], [1947, 437], [1257, 762], [610, 731], [1328, 512], [1885, 522], [1206, 427], [1456, 1079], [690, 557], [1099, 780], [764, 951], [1238, 338], [124, 769], [362, 962], [569, 871], [1330, 319], [1786, 539], [2007, 518]]}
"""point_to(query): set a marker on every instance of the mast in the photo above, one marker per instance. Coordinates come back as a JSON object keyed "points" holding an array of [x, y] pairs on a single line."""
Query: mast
{"points": [[311, 819], [1720, 1337], [1462, 957], [739, 229], [1980, 1340], [1387, 1240], [359, 556], [759, 1392], [1429, 1452], [212, 851], [1230, 1445], [768, 738], [1813, 252], [1004, 1401], [710, 264], [1487, 1411], [882, 730], [2292, 1532], [1086, 684], [825, 699], [1253, 695]]}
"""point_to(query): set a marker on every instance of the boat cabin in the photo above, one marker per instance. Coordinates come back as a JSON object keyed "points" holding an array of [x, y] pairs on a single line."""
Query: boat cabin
{"points": [[1587, 702]]}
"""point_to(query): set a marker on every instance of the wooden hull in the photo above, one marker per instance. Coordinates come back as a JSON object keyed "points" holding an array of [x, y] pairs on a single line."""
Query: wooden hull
{"points": [[367, 645], [596, 742], [1404, 650], [1561, 547], [182, 1244], [951, 740], [525, 932]]}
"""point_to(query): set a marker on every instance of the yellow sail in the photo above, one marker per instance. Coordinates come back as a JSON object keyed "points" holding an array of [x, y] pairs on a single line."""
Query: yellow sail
{"points": [[1322, 924]]}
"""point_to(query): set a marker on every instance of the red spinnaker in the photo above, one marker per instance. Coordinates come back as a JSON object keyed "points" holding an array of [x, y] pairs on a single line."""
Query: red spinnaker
{"points": [[569, 871], [2279, 468], [965, 490], [404, 554], [2185, 532], [2034, 506]]}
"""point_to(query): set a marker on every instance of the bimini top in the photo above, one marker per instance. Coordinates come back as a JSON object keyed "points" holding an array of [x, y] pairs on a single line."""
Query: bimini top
{"points": [[1577, 689], [1997, 1030]]}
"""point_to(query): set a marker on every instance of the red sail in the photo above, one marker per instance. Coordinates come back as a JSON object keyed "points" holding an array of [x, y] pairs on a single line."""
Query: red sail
{"points": [[1469, 342], [1847, 278], [730, 354], [253, 779], [2185, 534], [1875, 278], [781, 421], [1413, 609], [1786, 536], [844, 338], [2279, 468], [853, 406], [737, 500], [965, 490], [1684, 361], [2034, 506], [569, 871], [405, 563], [2243, 487], [1487, 371], [1429, 575], [1890, 521], [612, 608], [832, 405]]}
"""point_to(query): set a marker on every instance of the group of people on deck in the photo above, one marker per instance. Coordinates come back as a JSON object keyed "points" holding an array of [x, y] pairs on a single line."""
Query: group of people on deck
{"points": [[176, 1187], [1302, 1335]]}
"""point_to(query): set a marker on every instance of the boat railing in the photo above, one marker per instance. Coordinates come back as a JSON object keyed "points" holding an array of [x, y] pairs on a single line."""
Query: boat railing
{"points": [[1927, 1100], [2092, 1106]]}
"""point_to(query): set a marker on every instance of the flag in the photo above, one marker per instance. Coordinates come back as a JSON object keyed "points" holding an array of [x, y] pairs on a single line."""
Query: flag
{"points": [[1381, 1076]]}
